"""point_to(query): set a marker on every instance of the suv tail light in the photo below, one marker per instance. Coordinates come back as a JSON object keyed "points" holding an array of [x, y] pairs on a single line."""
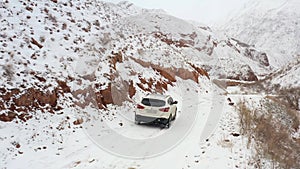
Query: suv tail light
{"points": [[164, 109], [140, 106]]}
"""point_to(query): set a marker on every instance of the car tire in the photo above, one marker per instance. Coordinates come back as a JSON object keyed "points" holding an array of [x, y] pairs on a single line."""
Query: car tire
{"points": [[137, 121], [168, 123], [174, 117]]}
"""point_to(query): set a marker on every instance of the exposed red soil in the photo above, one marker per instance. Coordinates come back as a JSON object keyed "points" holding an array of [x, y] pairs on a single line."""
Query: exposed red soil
{"points": [[169, 76], [89, 96], [20, 103], [131, 89], [200, 70], [99, 99], [171, 73], [187, 74], [117, 57]]}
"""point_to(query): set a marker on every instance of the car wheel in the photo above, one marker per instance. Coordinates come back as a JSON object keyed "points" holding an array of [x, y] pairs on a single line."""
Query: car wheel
{"points": [[168, 123], [137, 121], [174, 117]]}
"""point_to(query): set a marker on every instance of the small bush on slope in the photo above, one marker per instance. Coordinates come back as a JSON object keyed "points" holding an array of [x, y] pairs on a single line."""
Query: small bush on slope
{"points": [[290, 96]]}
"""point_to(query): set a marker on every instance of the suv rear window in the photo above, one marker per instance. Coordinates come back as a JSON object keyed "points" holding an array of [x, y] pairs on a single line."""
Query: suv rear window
{"points": [[153, 102]]}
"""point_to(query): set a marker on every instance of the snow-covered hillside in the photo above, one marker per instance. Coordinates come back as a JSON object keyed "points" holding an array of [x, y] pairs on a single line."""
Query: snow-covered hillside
{"points": [[288, 76], [271, 25], [282, 80], [161, 36]]}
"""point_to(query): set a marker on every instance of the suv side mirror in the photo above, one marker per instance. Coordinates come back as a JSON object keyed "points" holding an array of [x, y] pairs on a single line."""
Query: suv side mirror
{"points": [[175, 102]]}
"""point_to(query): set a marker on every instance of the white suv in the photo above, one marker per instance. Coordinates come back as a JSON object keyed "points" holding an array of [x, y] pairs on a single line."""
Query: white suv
{"points": [[156, 108]]}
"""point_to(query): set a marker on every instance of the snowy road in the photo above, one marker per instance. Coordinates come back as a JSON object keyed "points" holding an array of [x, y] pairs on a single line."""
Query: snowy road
{"points": [[198, 116]]}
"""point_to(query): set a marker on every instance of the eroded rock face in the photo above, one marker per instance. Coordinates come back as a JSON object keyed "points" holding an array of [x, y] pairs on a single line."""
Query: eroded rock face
{"points": [[107, 95], [20, 103], [31, 98], [168, 76], [100, 99], [8, 117], [167, 73], [131, 89], [153, 85], [160, 87], [186, 74], [199, 70], [171, 73], [65, 88], [117, 57], [89, 97]]}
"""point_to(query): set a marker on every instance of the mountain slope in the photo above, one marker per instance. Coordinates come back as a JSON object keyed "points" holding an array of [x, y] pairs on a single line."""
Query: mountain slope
{"points": [[288, 76], [272, 26], [162, 36]]}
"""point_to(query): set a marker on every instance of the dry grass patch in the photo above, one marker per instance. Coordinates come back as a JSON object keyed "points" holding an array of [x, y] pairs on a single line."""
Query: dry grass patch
{"points": [[269, 130]]}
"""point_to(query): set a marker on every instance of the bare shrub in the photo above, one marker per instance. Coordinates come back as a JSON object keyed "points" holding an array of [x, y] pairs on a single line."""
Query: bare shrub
{"points": [[64, 26], [270, 127], [291, 96], [106, 39], [52, 18], [42, 39], [275, 142], [96, 23], [245, 117], [8, 71]]}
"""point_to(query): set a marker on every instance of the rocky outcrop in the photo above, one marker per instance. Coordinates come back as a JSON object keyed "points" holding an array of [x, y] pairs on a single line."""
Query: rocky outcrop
{"points": [[131, 90], [20, 103], [199, 70], [260, 57], [117, 57], [170, 73], [168, 76]]}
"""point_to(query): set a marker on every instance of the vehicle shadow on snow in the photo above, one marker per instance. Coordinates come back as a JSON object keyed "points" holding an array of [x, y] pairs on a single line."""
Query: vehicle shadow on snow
{"points": [[153, 125]]}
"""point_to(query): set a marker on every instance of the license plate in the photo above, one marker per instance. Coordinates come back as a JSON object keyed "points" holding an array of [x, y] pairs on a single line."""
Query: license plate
{"points": [[152, 111]]}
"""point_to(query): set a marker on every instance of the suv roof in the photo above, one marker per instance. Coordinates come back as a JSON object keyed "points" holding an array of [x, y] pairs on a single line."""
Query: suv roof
{"points": [[157, 96]]}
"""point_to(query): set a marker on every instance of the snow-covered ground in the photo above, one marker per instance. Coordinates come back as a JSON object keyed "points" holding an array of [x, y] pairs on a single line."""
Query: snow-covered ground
{"points": [[196, 139]]}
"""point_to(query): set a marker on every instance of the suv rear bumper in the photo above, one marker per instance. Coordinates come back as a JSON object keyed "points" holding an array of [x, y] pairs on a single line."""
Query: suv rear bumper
{"points": [[147, 119]]}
